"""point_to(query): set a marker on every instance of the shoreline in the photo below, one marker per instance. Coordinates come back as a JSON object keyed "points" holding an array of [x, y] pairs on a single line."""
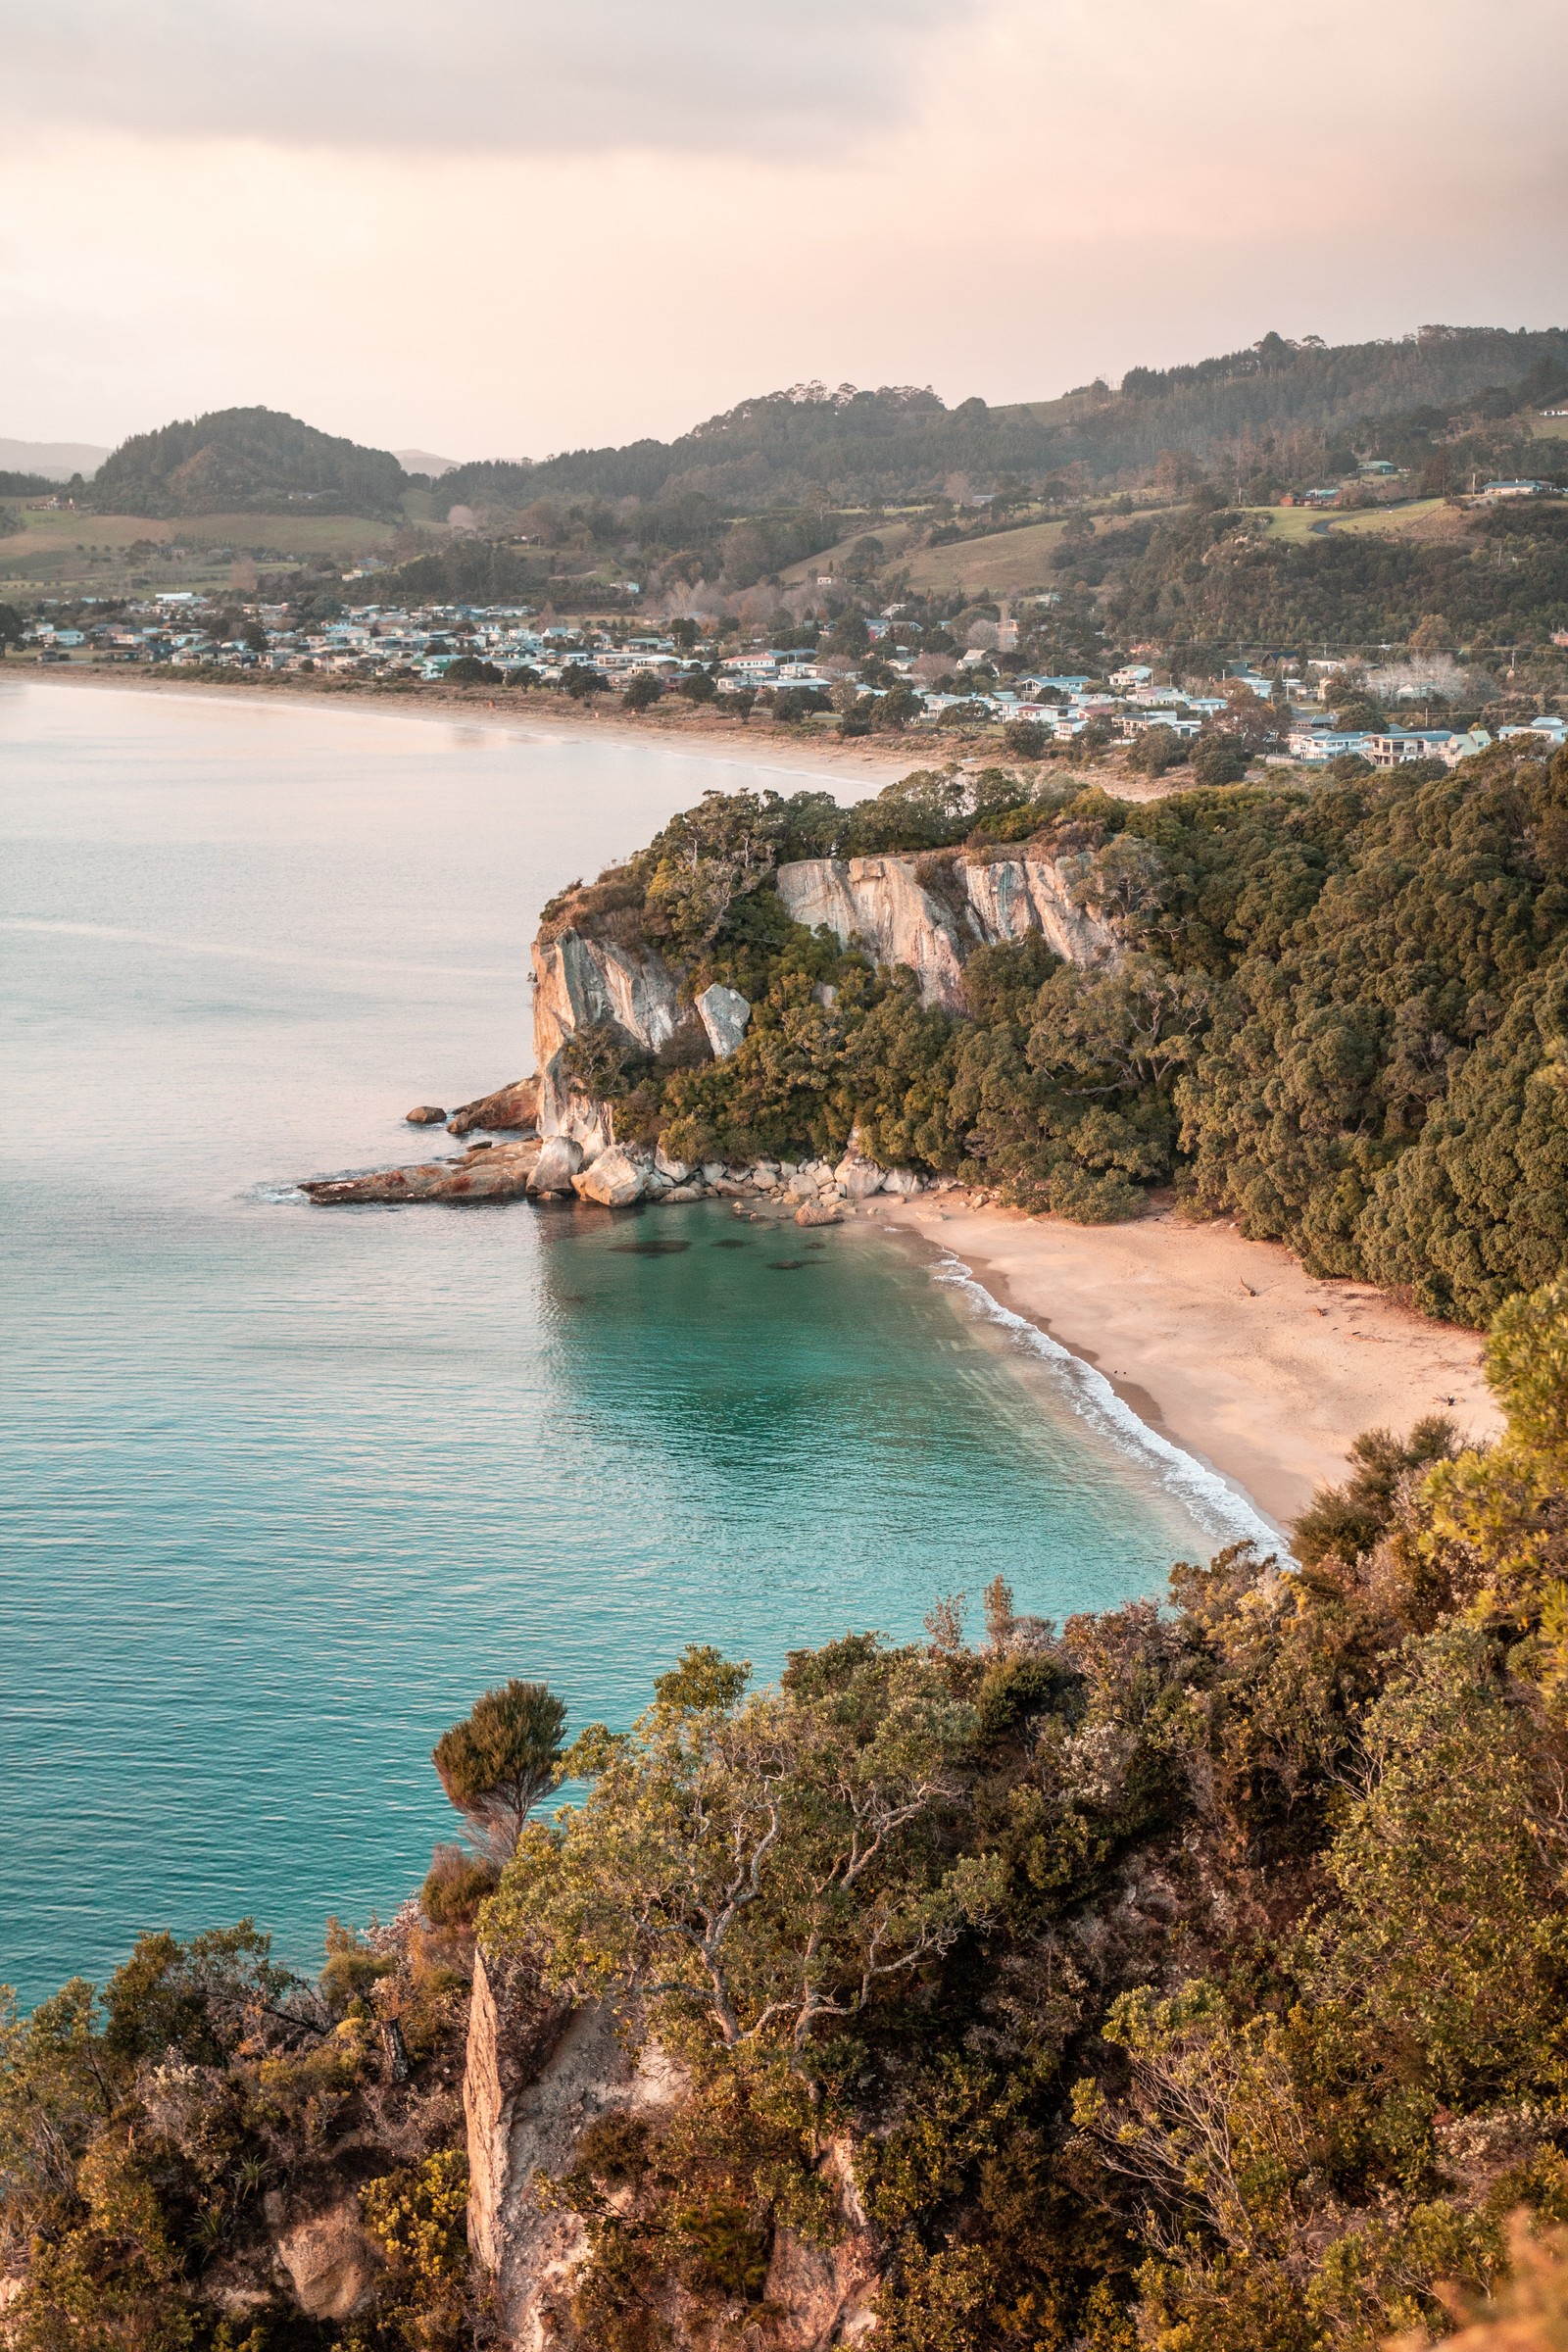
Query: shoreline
{"points": [[693, 734], [753, 744], [1227, 1350]]}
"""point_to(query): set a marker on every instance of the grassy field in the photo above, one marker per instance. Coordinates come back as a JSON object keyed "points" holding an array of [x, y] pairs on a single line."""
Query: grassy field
{"points": [[1550, 428], [1299, 523], [59, 547]]}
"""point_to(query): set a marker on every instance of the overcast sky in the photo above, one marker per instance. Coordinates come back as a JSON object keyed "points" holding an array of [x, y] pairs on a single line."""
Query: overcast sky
{"points": [[523, 225]]}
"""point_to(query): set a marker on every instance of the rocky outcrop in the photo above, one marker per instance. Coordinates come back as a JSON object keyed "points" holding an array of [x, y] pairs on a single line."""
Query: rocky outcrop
{"points": [[560, 1157], [331, 2262], [930, 913], [616, 1179], [582, 981], [499, 1172], [723, 1013], [537, 2075], [1011, 897], [425, 1114], [537, 2078], [510, 1108], [879, 904]]}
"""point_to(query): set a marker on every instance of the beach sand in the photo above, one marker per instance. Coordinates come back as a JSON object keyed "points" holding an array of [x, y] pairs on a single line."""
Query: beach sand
{"points": [[856, 766], [1227, 1346]]}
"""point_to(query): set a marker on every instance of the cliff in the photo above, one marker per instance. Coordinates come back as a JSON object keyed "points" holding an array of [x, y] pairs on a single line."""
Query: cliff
{"points": [[928, 913], [932, 913]]}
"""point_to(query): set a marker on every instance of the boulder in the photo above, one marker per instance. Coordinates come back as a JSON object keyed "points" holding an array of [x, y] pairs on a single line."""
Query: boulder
{"points": [[801, 1186], [683, 1192], [679, 1171], [515, 1107], [615, 1180], [711, 1170], [860, 1178], [425, 1114], [501, 1172], [765, 1178], [904, 1182], [723, 1013], [819, 1212], [333, 2262], [559, 1158]]}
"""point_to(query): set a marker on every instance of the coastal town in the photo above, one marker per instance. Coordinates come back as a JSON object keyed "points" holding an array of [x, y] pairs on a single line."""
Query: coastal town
{"points": [[906, 674]]}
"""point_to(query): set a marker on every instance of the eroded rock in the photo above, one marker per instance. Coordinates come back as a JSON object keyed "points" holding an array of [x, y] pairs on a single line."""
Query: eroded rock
{"points": [[860, 1178], [503, 1173], [723, 1013], [560, 1157], [615, 1180], [333, 2262], [819, 1212], [425, 1114], [515, 1107]]}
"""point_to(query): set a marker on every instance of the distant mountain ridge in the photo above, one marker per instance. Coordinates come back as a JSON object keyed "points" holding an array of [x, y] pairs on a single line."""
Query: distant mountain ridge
{"points": [[51, 461]]}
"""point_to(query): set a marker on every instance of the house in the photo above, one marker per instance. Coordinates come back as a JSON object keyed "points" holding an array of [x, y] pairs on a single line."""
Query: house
{"points": [[1550, 730], [1381, 467], [1400, 746], [1514, 489], [1316, 746], [1463, 747], [1131, 675]]}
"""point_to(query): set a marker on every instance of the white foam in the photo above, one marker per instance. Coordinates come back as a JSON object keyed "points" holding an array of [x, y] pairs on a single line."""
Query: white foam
{"points": [[1218, 1507]]}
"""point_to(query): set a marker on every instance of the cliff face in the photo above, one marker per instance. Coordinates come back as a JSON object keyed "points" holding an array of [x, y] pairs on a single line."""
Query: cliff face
{"points": [[928, 913], [932, 913], [581, 982], [538, 2076]]}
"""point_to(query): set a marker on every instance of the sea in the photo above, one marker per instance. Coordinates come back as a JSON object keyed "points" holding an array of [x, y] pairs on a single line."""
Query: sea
{"points": [[284, 1489]]}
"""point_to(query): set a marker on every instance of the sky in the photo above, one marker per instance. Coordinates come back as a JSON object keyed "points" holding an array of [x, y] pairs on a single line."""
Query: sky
{"points": [[522, 226]]}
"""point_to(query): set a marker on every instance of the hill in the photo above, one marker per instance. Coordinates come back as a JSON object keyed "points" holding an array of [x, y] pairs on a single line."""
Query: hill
{"points": [[246, 459], [845, 446]]}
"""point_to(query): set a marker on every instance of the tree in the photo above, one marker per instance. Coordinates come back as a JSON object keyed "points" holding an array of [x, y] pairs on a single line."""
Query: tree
{"points": [[580, 679], [1218, 757], [759, 1868], [643, 690], [1156, 749], [468, 671], [500, 1759], [1025, 739], [10, 626], [684, 633]]}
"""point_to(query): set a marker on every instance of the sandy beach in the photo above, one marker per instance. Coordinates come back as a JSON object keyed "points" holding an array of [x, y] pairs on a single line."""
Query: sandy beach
{"points": [[865, 762], [1226, 1345], [860, 764]]}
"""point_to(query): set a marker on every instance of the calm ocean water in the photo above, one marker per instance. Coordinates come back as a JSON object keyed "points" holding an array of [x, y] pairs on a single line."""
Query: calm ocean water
{"points": [[284, 1489]]}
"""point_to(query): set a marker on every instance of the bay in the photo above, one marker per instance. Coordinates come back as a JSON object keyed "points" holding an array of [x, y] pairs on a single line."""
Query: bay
{"points": [[284, 1489]]}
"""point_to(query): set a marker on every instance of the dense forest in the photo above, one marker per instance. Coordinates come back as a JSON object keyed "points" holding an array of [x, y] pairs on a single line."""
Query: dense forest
{"points": [[1211, 576], [1339, 1009], [1188, 1979]]}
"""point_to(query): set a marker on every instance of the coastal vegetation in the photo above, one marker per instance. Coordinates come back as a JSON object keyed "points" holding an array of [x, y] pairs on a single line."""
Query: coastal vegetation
{"points": [[1334, 1011], [1188, 1979]]}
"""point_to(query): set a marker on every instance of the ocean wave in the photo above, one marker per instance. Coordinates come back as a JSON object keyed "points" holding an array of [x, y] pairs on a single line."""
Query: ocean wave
{"points": [[1218, 1507]]}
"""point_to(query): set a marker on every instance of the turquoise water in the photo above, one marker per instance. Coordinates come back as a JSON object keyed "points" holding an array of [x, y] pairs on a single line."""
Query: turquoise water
{"points": [[284, 1489]]}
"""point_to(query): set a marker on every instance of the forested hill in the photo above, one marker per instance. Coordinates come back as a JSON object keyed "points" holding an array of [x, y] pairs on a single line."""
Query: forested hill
{"points": [[1309, 403], [238, 458], [1336, 1013], [853, 445]]}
